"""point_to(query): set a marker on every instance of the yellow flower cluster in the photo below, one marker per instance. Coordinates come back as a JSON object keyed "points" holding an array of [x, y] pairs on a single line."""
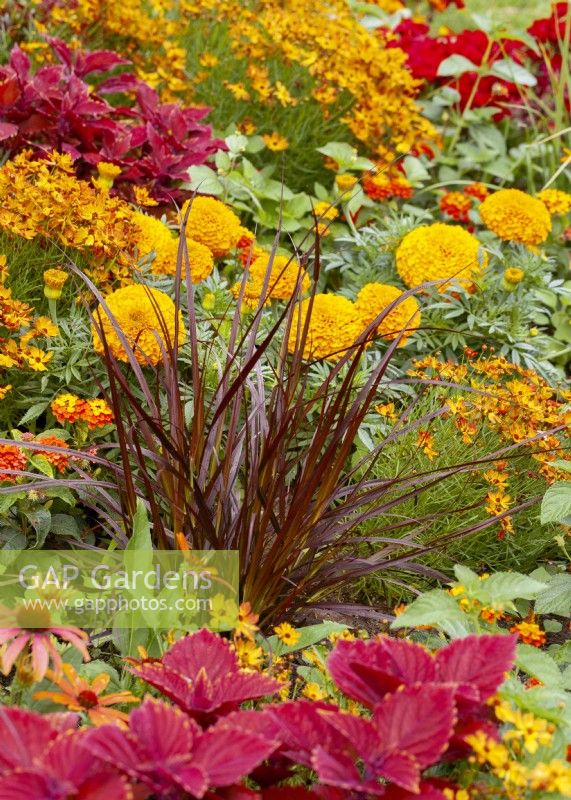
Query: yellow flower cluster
{"points": [[375, 297], [516, 216], [341, 55], [43, 198], [555, 201], [212, 224], [439, 252], [147, 318], [516, 778], [158, 241], [334, 326], [285, 273], [512, 401]]}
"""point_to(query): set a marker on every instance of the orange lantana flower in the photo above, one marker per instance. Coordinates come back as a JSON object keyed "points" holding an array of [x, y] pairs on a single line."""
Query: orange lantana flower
{"points": [[77, 694]]}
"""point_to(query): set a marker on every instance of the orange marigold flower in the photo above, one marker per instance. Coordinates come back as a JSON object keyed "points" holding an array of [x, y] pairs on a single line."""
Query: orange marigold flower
{"points": [[529, 633], [59, 460], [97, 413], [77, 694], [477, 190], [455, 205], [68, 408], [11, 457]]}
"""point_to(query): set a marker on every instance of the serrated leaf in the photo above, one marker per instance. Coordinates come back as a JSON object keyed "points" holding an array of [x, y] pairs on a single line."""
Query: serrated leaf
{"points": [[455, 65], [556, 597], [33, 413], [40, 519], [437, 608], [65, 525], [7, 500], [505, 587], [204, 180], [538, 664], [62, 493], [556, 503]]}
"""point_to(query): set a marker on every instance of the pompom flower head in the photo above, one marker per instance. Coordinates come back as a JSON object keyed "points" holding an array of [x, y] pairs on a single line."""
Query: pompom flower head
{"points": [[439, 252], [334, 327], [282, 281], [158, 240], [405, 316], [213, 224], [556, 201], [147, 318], [516, 216]]}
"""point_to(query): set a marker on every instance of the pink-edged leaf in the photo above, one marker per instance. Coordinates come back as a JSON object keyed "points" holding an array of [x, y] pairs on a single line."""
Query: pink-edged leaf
{"points": [[100, 61], [401, 769], [7, 129], [201, 651], [62, 51], [303, 728], [118, 83], [39, 785], [226, 754], [168, 682], [161, 730], [367, 671], [24, 736], [361, 735], [339, 770], [427, 790], [419, 720], [480, 662], [20, 63]]}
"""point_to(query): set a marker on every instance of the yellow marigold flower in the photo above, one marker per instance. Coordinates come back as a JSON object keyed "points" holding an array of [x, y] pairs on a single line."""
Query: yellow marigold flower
{"points": [[513, 276], [333, 328], [159, 241], [287, 634], [374, 297], [146, 317], [4, 390], [345, 182], [282, 282], [516, 216], [54, 280], [439, 252], [37, 359], [212, 224], [43, 326], [556, 201], [275, 142], [108, 171]]}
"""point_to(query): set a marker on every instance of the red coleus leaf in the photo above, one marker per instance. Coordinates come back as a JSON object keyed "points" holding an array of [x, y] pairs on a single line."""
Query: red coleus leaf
{"points": [[24, 736], [367, 671], [165, 749], [478, 662], [418, 720], [202, 675], [9, 87], [7, 130], [303, 726]]}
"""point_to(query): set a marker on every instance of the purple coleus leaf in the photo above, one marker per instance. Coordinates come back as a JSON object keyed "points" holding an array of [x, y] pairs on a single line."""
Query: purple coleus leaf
{"points": [[203, 677], [166, 750]]}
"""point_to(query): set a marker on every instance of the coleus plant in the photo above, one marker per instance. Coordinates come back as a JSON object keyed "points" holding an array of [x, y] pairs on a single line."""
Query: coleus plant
{"points": [[55, 107], [414, 710]]}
